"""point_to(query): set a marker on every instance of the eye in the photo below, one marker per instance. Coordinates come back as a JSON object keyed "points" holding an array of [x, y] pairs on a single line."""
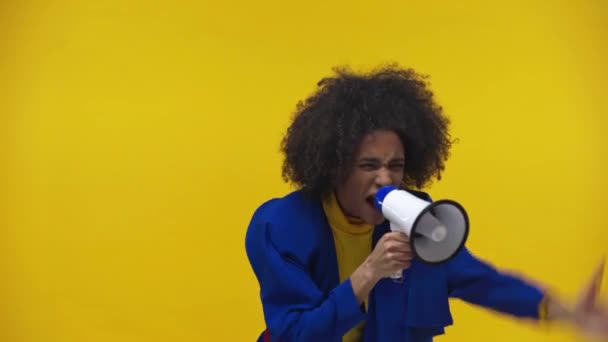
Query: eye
{"points": [[368, 166], [397, 166]]}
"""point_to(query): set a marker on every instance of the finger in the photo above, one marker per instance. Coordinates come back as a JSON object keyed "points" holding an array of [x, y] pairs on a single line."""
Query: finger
{"points": [[400, 256], [590, 292], [398, 247], [403, 260], [397, 236], [599, 273]]}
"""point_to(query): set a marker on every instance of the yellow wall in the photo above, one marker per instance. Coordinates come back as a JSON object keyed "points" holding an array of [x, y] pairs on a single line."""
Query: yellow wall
{"points": [[139, 136]]}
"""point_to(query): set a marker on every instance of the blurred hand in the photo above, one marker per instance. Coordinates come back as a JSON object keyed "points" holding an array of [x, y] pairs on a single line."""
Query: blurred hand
{"points": [[590, 316]]}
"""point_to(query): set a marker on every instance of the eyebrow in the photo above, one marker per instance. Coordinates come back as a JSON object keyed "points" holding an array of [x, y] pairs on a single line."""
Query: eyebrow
{"points": [[376, 160]]}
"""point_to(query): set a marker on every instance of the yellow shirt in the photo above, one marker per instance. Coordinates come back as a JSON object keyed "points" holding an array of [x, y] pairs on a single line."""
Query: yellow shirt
{"points": [[353, 241]]}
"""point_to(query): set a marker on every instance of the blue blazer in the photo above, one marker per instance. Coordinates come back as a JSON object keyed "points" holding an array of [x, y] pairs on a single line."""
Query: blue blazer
{"points": [[291, 251]]}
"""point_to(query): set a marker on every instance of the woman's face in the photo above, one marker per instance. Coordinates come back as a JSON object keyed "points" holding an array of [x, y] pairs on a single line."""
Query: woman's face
{"points": [[379, 161]]}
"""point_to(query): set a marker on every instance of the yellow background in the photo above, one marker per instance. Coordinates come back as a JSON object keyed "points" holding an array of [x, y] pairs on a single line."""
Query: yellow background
{"points": [[139, 136]]}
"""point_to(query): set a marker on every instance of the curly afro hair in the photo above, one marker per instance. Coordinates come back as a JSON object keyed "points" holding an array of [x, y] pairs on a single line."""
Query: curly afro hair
{"points": [[327, 127]]}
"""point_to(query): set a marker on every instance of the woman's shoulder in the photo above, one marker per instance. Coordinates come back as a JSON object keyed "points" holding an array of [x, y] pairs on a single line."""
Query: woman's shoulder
{"points": [[293, 205], [290, 222]]}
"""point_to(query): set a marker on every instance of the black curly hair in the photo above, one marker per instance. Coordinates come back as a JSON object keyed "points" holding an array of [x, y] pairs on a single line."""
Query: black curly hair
{"points": [[320, 145]]}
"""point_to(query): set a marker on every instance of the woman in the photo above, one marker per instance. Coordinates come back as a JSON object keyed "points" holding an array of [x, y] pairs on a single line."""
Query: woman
{"points": [[323, 254]]}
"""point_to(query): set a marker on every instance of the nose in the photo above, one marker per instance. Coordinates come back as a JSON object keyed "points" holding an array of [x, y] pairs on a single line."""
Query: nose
{"points": [[383, 177]]}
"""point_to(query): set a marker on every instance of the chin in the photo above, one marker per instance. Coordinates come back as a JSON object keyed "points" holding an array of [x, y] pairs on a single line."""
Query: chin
{"points": [[378, 221], [375, 219], [371, 215]]}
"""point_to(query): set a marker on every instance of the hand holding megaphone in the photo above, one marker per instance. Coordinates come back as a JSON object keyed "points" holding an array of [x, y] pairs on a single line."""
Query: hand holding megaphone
{"points": [[436, 230], [390, 256]]}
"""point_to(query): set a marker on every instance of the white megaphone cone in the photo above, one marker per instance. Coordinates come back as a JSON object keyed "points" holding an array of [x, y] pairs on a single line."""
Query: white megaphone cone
{"points": [[437, 230]]}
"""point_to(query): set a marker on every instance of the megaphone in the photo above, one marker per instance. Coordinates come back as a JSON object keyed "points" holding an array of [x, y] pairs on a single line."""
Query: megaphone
{"points": [[437, 230]]}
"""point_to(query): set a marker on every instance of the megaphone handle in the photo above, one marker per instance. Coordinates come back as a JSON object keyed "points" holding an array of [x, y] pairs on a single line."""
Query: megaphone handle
{"points": [[397, 276]]}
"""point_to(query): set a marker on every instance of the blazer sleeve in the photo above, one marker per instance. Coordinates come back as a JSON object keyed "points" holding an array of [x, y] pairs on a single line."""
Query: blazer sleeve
{"points": [[295, 309], [477, 282]]}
